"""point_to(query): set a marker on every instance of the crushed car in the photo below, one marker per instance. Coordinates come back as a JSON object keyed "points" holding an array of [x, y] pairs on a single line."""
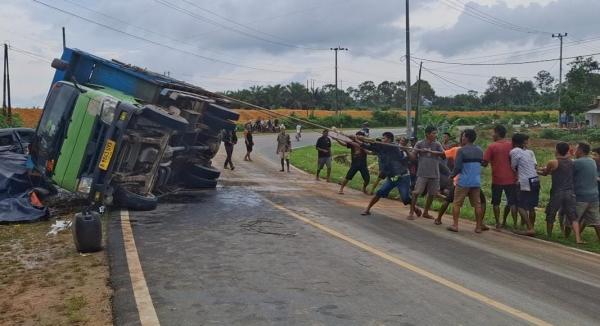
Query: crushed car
{"points": [[120, 135]]}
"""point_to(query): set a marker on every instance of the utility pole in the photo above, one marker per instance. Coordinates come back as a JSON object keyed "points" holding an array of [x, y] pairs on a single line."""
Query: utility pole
{"points": [[64, 38], [336, 49], [560, 37], [417, 109], [408, 99], [7, 110]]}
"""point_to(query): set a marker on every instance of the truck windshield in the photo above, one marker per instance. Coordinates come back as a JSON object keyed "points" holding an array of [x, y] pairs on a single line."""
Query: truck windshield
{"points": [[54, 122]]}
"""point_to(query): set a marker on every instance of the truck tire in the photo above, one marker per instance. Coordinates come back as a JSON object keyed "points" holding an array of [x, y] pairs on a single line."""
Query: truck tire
{"points": [[87, 232], [206, 172], [207, 138], [163, 118], [137, 202], [222, 112], [217, 123], [196, 182]]}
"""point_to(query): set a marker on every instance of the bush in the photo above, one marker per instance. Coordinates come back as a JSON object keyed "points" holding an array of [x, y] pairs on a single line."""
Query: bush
{"points": [[16, 121]]}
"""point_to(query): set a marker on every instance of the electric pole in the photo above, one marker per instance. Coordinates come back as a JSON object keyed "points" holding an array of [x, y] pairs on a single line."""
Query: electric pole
{"points": [[408, 99], [7, 110], [336, 49], [560, 37], [417, 109], [64, 38]]}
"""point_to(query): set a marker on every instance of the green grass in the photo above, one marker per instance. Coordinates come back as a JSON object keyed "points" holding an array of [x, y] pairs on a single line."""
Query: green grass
{"points": [[305, 158]]}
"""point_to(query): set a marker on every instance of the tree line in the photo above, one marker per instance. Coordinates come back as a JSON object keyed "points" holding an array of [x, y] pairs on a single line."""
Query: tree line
{"points": [[580, 87]]}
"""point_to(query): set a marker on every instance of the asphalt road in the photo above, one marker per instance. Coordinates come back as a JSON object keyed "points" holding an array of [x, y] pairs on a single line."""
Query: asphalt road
{"points": [[272, 248]]}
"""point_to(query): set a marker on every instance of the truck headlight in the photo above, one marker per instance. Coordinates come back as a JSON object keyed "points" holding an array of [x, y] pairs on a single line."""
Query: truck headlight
{"points": [[85, 185], [107, 114]]}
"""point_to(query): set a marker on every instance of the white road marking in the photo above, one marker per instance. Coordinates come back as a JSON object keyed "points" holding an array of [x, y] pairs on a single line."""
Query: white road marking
{"points": [[143, 301]]}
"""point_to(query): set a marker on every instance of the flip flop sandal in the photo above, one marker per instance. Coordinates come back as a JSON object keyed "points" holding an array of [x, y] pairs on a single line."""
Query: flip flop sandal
{"points": [[452, 229]]}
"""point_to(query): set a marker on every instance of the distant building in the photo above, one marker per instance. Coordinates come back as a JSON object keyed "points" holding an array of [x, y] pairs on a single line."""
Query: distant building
{"points": [[592, 116]]}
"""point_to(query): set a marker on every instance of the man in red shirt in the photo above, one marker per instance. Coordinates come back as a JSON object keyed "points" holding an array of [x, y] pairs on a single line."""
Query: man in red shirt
{"points": [[503, 177]]}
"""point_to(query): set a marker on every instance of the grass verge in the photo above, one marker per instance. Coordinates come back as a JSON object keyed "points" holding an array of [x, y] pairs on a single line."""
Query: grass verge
{"points": [[305, 158]]}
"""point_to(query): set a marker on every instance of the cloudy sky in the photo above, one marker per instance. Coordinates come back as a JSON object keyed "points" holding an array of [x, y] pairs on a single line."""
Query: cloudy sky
{"points": [[231, 44]]}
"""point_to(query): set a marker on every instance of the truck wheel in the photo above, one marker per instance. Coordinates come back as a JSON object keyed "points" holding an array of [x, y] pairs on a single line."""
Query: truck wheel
{"points": [[137, 202], [163, 118], [207, 138], [222, 112], [194, 181], [87, 232], [217, 123], [206, 172]]}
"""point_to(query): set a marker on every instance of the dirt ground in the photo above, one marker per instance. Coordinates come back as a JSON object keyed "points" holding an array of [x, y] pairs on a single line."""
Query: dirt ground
{"points": [[44, 281]]}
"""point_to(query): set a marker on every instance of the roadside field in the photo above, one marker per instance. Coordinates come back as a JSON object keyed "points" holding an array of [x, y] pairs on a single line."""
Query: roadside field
{"points": [[250, 114], [31, 117], [305, 159], [44, 281]]}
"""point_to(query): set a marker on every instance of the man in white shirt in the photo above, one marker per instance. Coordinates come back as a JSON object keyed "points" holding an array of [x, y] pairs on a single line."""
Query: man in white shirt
{"points": [[523, 162]]}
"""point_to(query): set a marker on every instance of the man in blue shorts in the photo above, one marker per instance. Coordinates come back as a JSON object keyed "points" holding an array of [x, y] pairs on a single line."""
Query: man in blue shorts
{"points": [[394, 166]]}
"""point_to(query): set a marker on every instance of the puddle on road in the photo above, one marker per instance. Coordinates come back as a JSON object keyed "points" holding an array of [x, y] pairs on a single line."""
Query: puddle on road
{"points": [[236, 196]]}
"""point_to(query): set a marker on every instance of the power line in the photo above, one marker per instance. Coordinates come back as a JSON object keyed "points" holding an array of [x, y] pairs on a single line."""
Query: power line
{"points": [[242, 32], [490, 19], [28, 53], [499, 20], [504, 63], [157, 43]]}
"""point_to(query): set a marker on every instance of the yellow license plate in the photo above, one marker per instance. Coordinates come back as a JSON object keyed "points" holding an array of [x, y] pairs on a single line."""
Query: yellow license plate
{"points": [[107, 155]]}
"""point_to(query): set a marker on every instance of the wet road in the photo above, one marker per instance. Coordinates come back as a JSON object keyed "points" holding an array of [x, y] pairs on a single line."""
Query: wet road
{"points": [[272, 248]]}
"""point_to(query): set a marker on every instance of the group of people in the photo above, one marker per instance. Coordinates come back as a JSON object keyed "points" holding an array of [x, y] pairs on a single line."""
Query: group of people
{"points": [[451, 172], [260, 125]]}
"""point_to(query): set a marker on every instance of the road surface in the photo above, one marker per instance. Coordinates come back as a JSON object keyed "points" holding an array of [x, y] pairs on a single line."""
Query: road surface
{"points": [[272, 248]]}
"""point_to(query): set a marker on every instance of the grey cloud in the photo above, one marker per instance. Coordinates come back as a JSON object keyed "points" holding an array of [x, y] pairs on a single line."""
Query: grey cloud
{"points": [[577, 17]]}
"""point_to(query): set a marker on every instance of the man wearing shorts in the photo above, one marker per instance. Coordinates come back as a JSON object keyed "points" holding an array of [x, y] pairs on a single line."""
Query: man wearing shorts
{"points": [[394, 166], [358, 163], [523, 162], [503, 177], [468, 168], [324, 154], [562, 193], [429, 153], [585, 178], [284, 148]]}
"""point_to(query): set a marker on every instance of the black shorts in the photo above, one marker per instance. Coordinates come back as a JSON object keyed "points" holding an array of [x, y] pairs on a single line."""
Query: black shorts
{"points": [[362, 168], [249, 148], [509, 190], [528, 199]]}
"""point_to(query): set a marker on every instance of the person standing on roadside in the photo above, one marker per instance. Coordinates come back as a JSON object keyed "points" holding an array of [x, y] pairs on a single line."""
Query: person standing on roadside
{"points": [[284, 148], [324, 154], [523, 162], [394, 167], [562, 193], [467, 167], [429, 153], [249, 141], [298, 132], [358, 162], [503, 177], [585, 182], [229, 140]]}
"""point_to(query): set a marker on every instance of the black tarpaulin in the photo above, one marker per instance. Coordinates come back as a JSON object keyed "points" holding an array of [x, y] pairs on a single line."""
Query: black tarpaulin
{"points": [[15, 190]]}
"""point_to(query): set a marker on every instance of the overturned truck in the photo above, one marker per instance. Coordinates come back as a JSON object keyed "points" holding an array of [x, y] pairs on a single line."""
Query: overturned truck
{"points": [[120, 135]]}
